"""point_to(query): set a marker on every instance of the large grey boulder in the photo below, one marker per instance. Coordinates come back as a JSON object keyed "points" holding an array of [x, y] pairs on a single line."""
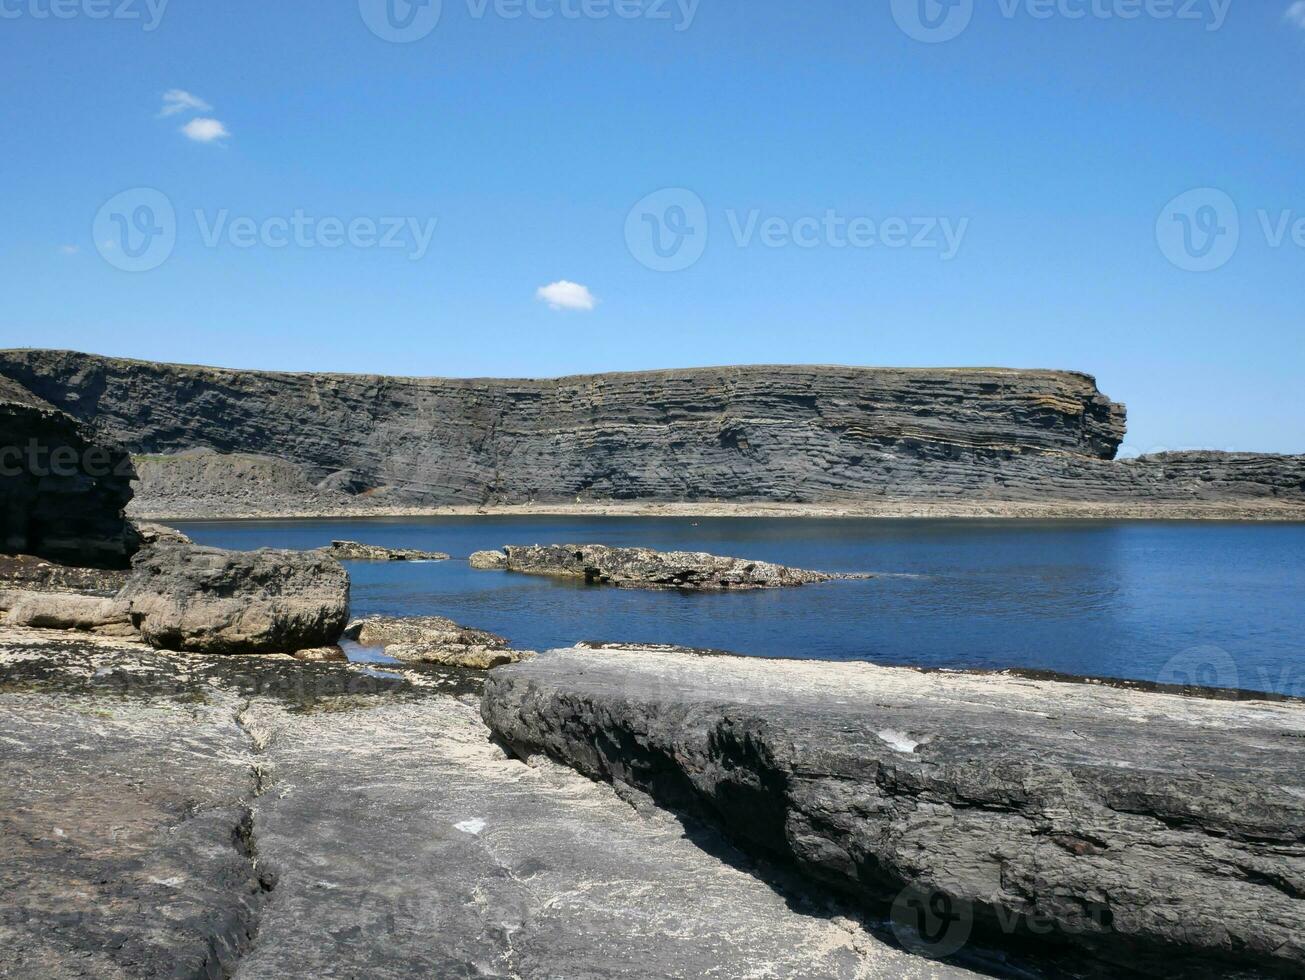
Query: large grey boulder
{"points": [[186, 597], [1158, 833], [601, 564]]}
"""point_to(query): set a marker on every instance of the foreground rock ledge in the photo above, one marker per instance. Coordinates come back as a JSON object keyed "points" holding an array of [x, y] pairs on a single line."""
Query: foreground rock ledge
{"points": [[1156, 832], [600, 564], [165, 816]]}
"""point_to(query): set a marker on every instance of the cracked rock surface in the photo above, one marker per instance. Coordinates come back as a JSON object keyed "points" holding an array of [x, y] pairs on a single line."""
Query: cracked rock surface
{"points": [[1141, 831], [188, 816]]}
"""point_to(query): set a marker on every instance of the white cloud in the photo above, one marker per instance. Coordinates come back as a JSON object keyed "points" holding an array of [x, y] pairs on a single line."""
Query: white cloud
{"points": [[564, 295], [179, 100], [69, 249], [1296, 14], [204, 130]]}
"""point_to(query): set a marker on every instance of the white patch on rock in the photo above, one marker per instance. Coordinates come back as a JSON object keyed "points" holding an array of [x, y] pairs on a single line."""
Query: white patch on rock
{"points": [[899, 740], [472, 827]]}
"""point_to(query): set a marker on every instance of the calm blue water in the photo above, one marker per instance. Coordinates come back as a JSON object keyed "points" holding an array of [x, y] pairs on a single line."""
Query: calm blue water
{"points": [[1213, 603]]}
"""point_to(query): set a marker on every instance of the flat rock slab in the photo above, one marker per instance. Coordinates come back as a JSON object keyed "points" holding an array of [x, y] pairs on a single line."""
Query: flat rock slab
{"points": [[1148, 831], [123, 829], [600, 564], [256, 808]]}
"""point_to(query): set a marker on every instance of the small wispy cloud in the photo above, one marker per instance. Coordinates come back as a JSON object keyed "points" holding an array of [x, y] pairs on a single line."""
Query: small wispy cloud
{"points": [[68, 249], [205, 130], [177, 100], [565, 295], [1296, 14]]}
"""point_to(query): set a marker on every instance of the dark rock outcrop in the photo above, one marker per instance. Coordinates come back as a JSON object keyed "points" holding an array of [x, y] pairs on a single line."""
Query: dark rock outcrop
{"points": [[355, 551], [1157, 833], [434, 640], [185, 597], [643, 568], [62, 492]]}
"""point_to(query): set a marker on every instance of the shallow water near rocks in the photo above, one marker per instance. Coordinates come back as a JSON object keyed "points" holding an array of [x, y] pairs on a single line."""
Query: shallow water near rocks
{"points": [[1214, 603]]}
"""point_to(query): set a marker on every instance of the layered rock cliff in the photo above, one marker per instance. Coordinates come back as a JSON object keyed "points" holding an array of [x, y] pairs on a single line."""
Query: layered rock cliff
{"points": [[796, 434]]}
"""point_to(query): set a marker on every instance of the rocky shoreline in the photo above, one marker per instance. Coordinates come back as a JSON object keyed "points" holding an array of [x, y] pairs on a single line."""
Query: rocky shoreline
{"points": [[780, 818], [332, 820]]}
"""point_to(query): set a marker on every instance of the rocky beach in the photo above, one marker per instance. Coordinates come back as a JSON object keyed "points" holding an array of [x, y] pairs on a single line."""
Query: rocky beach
{"points": [[214, 769]]}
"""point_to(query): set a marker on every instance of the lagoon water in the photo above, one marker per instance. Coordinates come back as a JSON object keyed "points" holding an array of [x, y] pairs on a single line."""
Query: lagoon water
{"points": [[1181, 602]]}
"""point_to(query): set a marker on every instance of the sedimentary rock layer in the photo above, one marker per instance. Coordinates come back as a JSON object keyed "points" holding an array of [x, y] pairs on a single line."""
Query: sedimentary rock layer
{"points": [[250, 442], [1155, 832], [62, 493]]}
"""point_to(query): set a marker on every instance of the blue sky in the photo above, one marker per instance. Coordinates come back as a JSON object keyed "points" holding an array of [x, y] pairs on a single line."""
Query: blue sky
{"points": [[1001, 197]]}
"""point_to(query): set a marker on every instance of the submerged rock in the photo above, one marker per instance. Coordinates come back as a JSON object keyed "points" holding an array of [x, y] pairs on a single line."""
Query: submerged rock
{"points": [[1154, 832], [434, 640], [601, 564], [185, 597], [355, 551]]}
